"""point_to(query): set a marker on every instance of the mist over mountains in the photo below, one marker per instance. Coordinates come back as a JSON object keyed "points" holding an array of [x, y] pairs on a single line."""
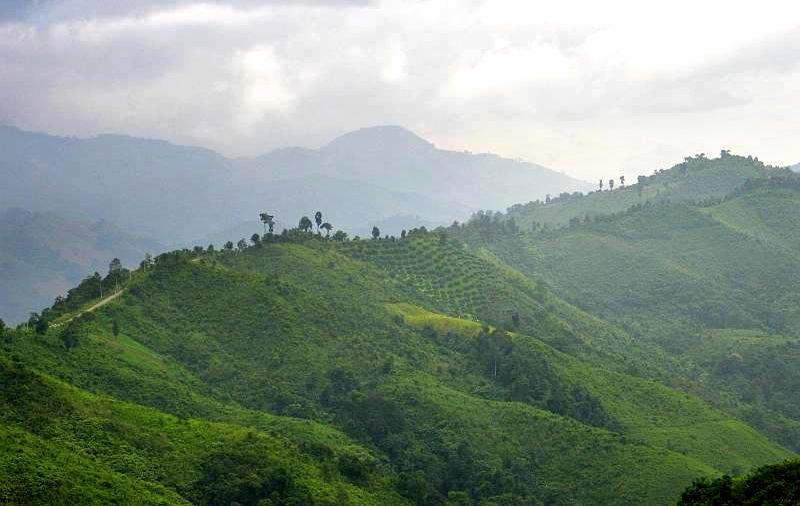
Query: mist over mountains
{"points": [[180, 194]]}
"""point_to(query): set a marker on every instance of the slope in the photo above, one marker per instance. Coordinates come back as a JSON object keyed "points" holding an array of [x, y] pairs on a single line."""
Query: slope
{"points": [[715, 285], [325, 331]]}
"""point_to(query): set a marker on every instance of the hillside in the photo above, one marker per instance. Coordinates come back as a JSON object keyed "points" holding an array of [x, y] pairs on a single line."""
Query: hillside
{"points": [[375, 372], [714, 285], [42, 255], [696, 179]]}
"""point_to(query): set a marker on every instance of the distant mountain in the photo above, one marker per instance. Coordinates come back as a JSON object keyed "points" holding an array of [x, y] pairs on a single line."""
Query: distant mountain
{"points": [[178, 194], [397, 159], [42, 255], [795, 167]]}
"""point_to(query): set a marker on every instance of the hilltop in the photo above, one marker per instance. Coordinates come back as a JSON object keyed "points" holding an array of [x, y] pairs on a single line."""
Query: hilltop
{"points": [[696, 179]]}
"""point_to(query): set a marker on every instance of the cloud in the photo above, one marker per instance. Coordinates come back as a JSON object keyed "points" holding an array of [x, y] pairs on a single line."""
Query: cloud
{"points": [[247, 76]]}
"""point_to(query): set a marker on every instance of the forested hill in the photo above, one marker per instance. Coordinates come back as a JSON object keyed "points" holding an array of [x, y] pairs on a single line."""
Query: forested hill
{"points": [[300, 370], [713, 284], [696, 179]]}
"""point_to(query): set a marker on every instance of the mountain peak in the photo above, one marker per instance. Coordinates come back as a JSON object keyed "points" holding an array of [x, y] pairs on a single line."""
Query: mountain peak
{"points": [[385, 137]]}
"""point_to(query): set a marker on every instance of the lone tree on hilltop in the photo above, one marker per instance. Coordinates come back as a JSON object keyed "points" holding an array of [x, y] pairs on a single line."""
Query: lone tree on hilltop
{"points": [[305, 224], [268, 220], [622, 180], [376, 232], [610, 184], [255, 239], [327, 227], [318, 219]]}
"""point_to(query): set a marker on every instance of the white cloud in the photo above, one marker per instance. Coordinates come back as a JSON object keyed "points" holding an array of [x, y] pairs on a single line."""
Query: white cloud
{"points": [[559, 83]]}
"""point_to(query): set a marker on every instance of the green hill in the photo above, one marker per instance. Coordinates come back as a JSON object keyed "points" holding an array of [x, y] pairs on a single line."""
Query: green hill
{"points": [[306, 371], [696, 179], [714, 285]]}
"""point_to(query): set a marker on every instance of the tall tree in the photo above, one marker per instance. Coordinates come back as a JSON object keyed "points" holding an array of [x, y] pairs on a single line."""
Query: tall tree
{"points": [[610, 184], [114, 269], [601, 184], [318, 219], [305, 224], [327, 227], [376, 232], [268, 220], [622, 180]]}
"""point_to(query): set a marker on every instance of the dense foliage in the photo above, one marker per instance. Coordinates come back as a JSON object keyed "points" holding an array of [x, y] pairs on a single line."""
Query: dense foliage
{"points": [[774, 485]]}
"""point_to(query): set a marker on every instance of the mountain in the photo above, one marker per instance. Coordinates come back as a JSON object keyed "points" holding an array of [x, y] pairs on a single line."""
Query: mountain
{"points": [[179, 194], [795, 167], [309, 371], [183, 196], [42, 255]]}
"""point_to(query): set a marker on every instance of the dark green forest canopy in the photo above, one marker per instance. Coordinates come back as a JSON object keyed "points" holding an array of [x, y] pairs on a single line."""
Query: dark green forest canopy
{"points": [[773, 485]]}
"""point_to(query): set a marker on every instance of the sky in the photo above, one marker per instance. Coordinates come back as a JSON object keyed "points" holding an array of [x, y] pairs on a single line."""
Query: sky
{"points": [[592, 89]]}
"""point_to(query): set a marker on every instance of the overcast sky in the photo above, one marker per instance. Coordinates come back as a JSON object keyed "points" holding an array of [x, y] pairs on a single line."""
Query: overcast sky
{"points": [[585, 87]]}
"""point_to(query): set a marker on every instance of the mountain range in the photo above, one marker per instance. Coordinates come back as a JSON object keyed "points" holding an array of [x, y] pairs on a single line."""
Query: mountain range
{"points": [[182, 196]]}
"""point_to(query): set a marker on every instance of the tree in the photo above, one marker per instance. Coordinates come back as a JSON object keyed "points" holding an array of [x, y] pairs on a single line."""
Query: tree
{"points": [[305, 224], [318, 219], [115, 328], [115, 268], [2, 327], [376, 232], [403, 234], [610, 184], [242, 244], [327, 227], [601, 184], [147, 262], [229, 245], [339, 236], [255, 239], [268, 220], [622, 180]]}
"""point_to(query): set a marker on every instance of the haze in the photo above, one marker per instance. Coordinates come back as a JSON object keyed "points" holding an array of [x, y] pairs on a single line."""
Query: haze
{"points": [[591, 89]]}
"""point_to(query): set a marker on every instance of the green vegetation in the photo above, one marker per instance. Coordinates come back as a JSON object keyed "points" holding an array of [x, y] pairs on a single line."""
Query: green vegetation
{"points": [[696, 179], [474, 365], [773, 485]]}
